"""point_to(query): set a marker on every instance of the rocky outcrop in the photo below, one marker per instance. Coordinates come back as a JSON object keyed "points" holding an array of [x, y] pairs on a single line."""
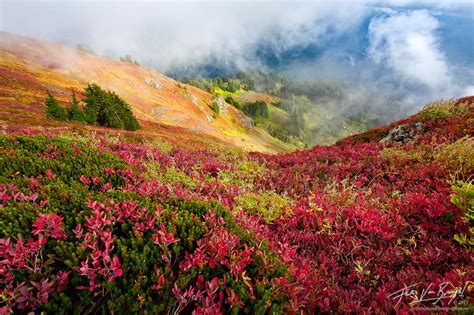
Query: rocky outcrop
{"points": [[246, 122], [193, 98], [154, 83], [222, 105], [403, 133]]}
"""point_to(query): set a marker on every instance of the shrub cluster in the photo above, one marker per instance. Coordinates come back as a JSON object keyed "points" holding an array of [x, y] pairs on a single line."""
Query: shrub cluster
{"points": [[215, 107], [463, 198], [230, 100], [267, 205], [442, 110], [104, 108], [79, 232], [258, 109], [107, 226], [231, 85]]}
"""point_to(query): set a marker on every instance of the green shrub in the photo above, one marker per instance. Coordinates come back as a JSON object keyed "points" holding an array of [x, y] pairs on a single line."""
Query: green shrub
{"points": [[244, 174], [53, 110], [171, 175], [258, 109], [230, 100], [75, 113], [442, 110], [457, 157], [163, 146], [268, 205], [279, 132], [105, 108], [215, 107], [463, 198]]}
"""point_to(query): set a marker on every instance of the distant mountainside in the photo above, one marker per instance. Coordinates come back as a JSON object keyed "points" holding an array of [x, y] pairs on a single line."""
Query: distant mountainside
{"points": [[29, 68], [304, 112]]}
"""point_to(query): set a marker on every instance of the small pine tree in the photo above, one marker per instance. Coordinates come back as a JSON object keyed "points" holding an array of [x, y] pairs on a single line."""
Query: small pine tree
{"points": [[75, 113], [53, 110], [92, 100], [215, 107], [107, 109]]}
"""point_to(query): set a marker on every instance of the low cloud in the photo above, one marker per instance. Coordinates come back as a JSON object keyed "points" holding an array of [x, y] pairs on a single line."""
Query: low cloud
{"points": [[400, 53], [174, 34], [407, 44]]}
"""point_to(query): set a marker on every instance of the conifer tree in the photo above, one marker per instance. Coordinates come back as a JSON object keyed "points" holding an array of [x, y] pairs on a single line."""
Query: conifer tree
{"points": [[53, 110], [75, 113], [107, 109]]}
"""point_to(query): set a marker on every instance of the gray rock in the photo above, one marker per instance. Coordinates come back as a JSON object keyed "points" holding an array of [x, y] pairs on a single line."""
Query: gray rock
{"points": [[404, 133], [193, 99], [246, 121], [222, 106], [154, 83]]}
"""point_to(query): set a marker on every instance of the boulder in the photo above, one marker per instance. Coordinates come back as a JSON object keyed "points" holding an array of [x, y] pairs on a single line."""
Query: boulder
{"points": [[403, 133]]}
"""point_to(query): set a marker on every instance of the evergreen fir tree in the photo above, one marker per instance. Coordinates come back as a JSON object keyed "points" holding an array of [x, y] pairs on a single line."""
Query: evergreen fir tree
{"points": [[75, 113], [215, 107], [53, 110], [107, 109]]}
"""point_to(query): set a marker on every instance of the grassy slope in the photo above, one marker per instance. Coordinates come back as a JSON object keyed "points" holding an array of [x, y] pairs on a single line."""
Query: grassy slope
{"points": [[30, 67]]}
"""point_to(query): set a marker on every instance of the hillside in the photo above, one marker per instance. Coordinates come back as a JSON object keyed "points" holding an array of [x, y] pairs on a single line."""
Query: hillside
{"points": [[303, 113], [165, 107], [93, 223]]}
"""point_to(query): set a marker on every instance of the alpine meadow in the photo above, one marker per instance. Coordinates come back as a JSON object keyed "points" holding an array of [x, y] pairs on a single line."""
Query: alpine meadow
{"points": [[236, 157]]}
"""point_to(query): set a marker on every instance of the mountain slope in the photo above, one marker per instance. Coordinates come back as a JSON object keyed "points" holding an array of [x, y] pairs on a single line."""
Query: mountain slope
{"points": [[99, 220], [30, 67], [304, 112], [97, 224]]}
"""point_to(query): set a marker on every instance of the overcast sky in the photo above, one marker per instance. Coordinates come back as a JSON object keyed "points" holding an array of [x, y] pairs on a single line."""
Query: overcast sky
{"points": [[419, 50]]}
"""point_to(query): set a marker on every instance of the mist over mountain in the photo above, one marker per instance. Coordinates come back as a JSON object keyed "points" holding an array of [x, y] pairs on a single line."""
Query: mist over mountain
{"points": [[412, 51]]}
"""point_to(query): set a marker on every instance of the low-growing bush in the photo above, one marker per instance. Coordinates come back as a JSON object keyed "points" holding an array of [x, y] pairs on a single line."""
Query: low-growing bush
{"points": [[397, 154], [458, 156], [171, 175], [79, 234], [268, 205], [243, 175], [463, 198], [215, 107], [442, 110]]}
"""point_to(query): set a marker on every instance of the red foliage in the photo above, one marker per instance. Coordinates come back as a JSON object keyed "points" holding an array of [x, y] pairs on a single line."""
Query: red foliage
{"points": [[364, 225]]}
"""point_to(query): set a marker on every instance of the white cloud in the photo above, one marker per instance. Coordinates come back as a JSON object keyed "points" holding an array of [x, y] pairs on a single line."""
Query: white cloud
{"points": [[167, 34], [407, 43], [181, 33], [469, 90]]}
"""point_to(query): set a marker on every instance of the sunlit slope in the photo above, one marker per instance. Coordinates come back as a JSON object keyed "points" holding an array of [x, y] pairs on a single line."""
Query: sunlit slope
{"points": [[30, 67]]}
